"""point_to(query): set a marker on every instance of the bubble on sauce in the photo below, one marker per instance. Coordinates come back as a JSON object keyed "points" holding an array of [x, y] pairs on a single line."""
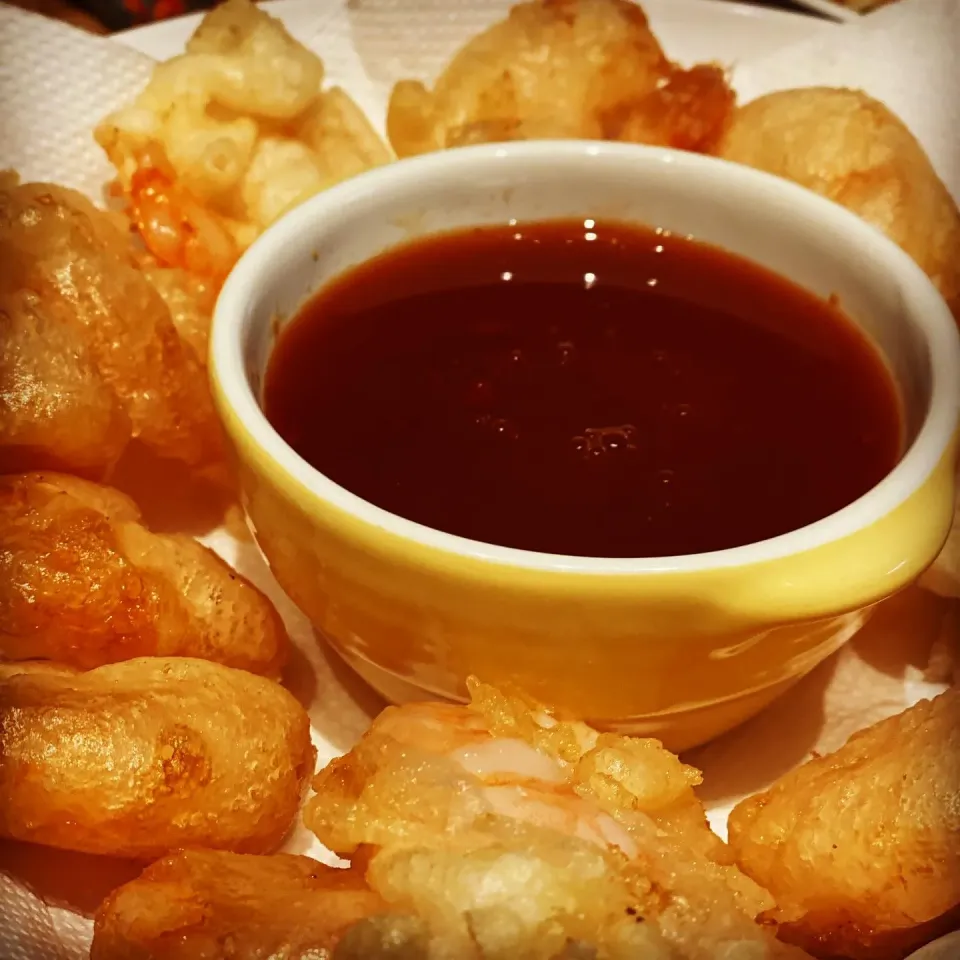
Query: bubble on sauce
{"points": [[596, 442], [497, 427], [664, 483], [566, 352], [480, 393]]}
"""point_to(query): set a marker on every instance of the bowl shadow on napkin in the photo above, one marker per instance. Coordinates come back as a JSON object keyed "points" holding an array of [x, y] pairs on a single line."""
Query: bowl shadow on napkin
{"points": [[340, 704], [299, 677], [750, 757], [862, 683], [172, 497], [899, 642], [63, 878]]}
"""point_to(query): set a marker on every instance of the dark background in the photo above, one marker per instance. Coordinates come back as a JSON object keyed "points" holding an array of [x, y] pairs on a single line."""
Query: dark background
{"points": [[106, 16]]}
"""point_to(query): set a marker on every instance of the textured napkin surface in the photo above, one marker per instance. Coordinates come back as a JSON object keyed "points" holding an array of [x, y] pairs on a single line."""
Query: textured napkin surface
{"points": [[56, 83], [28, 931]]}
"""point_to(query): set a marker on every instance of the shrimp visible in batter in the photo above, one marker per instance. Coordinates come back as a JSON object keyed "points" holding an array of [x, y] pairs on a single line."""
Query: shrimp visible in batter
{"points": [[178, 230], [512, 832]]}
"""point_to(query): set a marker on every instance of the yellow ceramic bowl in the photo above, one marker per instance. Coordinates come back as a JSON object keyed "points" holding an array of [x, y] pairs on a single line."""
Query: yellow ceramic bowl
{"points": [[680, 648]]}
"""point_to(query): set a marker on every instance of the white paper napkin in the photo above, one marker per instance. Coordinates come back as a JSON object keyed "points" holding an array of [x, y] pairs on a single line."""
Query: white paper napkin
{"points": [[28, 931], [56, 83]]}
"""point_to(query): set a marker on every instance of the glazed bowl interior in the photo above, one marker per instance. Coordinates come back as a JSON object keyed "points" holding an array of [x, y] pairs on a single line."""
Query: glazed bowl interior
{"points": [[774, 223]]}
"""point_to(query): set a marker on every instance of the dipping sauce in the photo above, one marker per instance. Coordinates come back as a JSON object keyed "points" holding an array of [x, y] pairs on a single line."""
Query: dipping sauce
{"points": [[584, 388]]}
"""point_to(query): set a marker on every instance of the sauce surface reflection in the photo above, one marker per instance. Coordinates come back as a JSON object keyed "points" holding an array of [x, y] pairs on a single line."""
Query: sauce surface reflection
{"points": [[587, 388]]}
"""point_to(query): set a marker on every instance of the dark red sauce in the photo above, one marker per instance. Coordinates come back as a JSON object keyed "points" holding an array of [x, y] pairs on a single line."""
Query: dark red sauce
{"points": [[581, 388]]}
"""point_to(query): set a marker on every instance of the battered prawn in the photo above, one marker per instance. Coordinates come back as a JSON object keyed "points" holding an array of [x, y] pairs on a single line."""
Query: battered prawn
{"points": [[511, 832], [563, 68], [228, 136]]}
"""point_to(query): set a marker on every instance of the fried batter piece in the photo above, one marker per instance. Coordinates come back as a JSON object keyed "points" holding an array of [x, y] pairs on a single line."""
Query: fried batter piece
{"points": [[230, 135], [563, 68], [511, 833], [11, 668], [83, 582], [852, 149], [861, 849], [139, 758], [91, 358], [209, 904]]}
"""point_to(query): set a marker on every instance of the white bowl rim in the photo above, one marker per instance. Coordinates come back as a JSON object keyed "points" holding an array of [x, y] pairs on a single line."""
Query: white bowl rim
{"points": [[933, 317]]}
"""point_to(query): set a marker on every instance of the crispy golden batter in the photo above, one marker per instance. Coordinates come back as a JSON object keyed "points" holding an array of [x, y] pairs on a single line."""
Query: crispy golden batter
{"points": [[91, 357], [139, 758], [190, 300], [862, 848], [511, 833], [562, 68], [206, 904], [84, 583], [852, 149]]}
